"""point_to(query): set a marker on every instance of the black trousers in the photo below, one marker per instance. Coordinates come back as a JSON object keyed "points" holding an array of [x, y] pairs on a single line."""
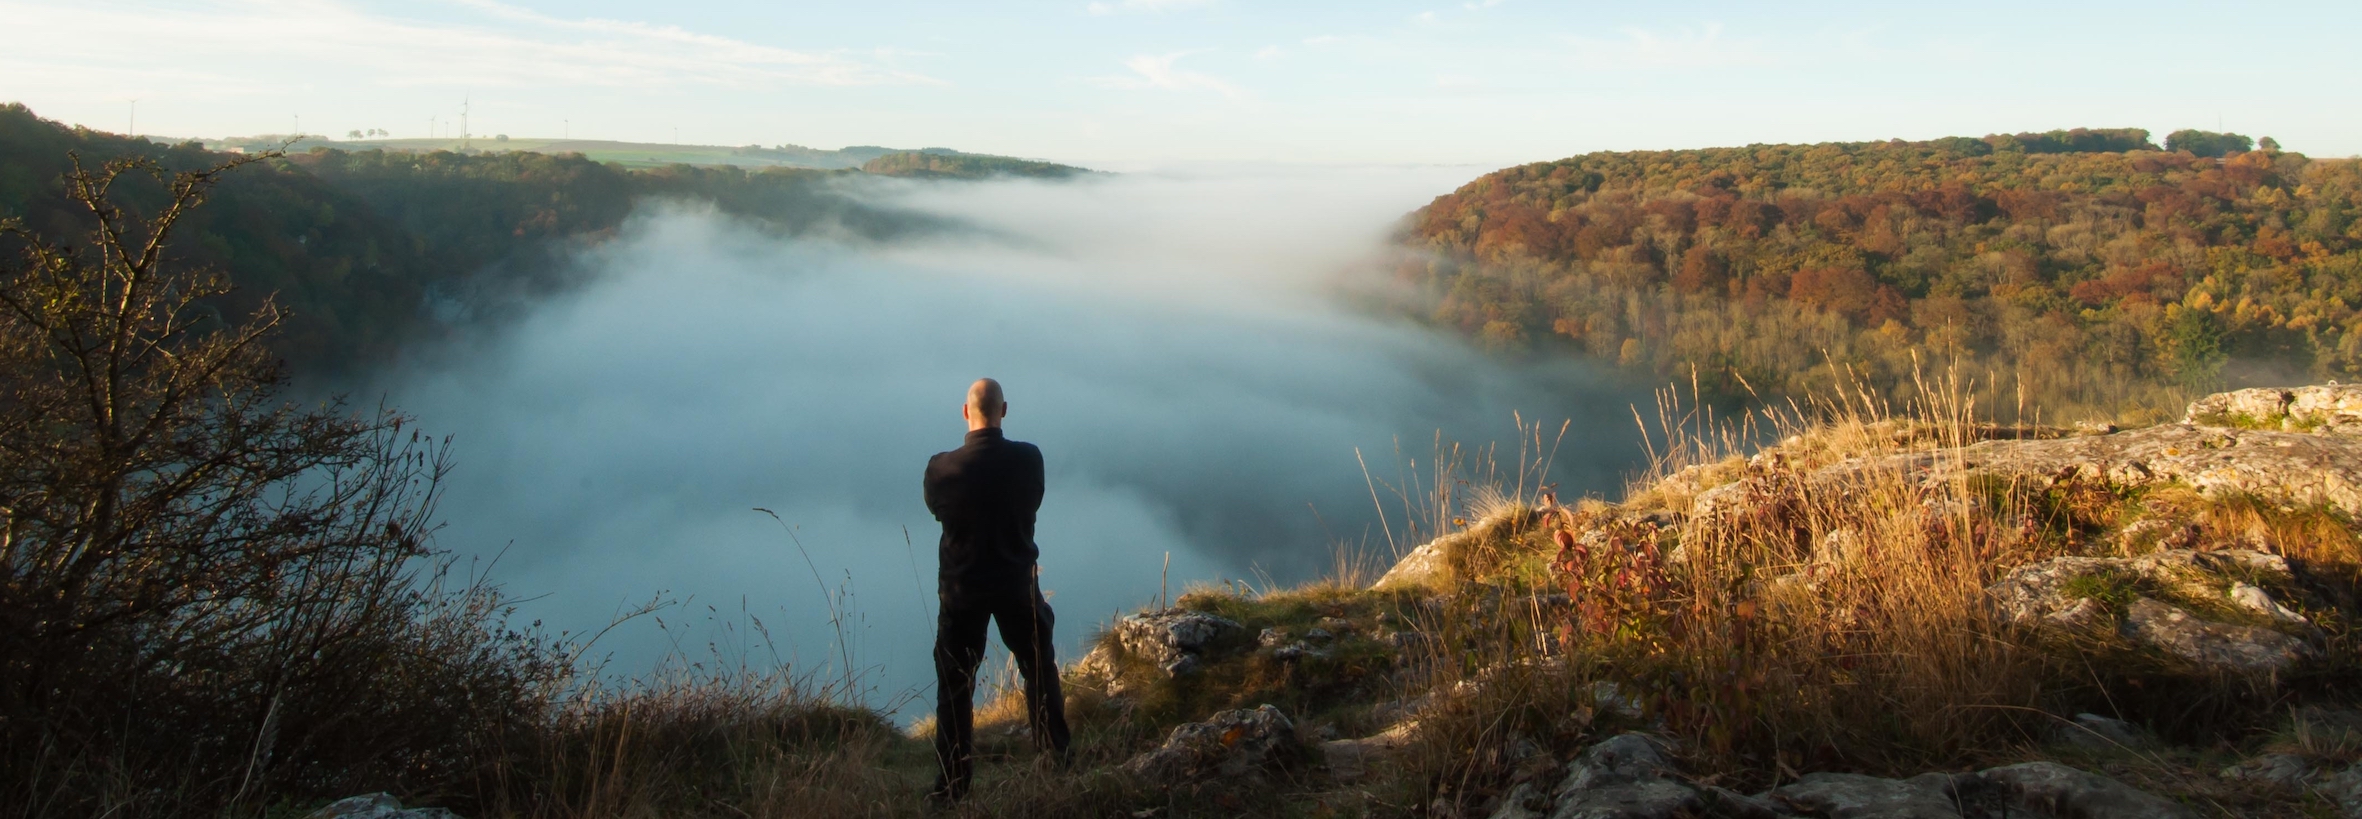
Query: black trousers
{"points": [[1025, 622]]}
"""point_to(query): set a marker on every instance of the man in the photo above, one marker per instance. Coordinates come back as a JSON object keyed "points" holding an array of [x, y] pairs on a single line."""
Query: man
{"points": [[986, 493]]}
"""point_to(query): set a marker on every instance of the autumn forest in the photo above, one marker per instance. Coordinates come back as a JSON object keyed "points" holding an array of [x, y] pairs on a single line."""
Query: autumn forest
{"points": [[2092, 272]]}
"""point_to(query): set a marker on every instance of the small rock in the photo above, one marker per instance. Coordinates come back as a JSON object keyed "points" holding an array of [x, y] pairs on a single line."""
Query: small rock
{"points": [[2259, 601], [1393, 711], [1625, 777], [376, 806], [1173, 639], [2286, 771], [2221, 646], [1097, 671], [1297, 650], [1609, 697], [1335, 625], [1412, 644], [1854, 796], [1350, 759], [2063, 791], [1270, 638], [2098, 733], [2083, 615], [2345, 788], [1318, 635], [2255, 406], [1522, 802], [1233, 744], [1839, 546]]}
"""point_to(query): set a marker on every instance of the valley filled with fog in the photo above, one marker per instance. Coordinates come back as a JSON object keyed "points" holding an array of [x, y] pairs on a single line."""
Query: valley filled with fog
{"points": [[1179, 344]]}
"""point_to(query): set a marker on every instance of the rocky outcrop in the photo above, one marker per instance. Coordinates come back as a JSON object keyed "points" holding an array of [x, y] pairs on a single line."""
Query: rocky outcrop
{"points": [[2054, 594], [1175, 640], [1854, 796], [1246, 743], [2052, 789], [376, 806], [2329, 408], [2223, 646], [1632, 777], [1429, 564], [2301, 445]]}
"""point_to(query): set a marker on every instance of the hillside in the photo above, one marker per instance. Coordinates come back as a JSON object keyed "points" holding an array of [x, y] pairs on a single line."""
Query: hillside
{"points": [[937, 164], [644, 154], [370, 250], [2100, 273]]}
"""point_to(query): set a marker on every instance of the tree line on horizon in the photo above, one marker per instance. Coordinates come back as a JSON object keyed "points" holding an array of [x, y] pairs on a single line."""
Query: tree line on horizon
{"points": [[2090, 269]]}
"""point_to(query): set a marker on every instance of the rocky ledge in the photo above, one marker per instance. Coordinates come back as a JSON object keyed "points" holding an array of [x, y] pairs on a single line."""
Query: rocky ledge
{"points": [[1632, 776]]}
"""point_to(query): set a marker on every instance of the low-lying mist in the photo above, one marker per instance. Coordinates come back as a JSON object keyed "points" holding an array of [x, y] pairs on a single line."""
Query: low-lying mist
{"points": [[1174, 343]]}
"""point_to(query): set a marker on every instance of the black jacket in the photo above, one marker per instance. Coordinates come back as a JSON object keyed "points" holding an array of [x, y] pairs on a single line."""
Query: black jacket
{"points": [[986, 493]]}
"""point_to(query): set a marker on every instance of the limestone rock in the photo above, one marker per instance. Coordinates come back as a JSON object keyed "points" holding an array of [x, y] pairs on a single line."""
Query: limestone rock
{"points": [[1174, 639], [2098, 733], [376, 806], [1854, 796], [2279, 770], [2031, 594], [1522, 802], [1350, 759], [1625, 777], [2331, 408], [2251, 405], [2058, 790], [2345, 788], [2280, 466], [1429, 564], [2037, 595], [1233, 744], [2222, 646], [2257, 600], [1097, 671]]}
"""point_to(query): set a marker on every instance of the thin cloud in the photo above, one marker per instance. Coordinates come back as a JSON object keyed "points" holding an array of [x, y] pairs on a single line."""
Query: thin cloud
{"points": [[1158, 72], [1680, 48], [1121, 6], [503, 46]]}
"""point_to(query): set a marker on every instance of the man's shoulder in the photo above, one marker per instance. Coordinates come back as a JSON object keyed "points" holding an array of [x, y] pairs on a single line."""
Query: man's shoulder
{"points": [[1028, 449]]}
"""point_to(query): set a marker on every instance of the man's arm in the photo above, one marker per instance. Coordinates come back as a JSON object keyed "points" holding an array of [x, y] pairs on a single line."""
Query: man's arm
{"points": [[934, 478], [1031, 493]]}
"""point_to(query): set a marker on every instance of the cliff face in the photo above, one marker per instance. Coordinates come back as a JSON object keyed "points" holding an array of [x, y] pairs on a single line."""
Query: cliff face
{"points": [[2151, 622]]}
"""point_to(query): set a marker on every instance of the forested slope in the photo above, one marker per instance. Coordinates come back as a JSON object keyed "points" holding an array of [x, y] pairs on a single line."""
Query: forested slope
{"points": [[361, 248], [936, 163], [2090, 266]]}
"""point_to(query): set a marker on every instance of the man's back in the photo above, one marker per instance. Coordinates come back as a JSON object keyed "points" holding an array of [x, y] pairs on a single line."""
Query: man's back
{"points": [[986, 494]]}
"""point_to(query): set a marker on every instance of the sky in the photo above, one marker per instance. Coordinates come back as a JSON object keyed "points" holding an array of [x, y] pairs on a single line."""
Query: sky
{"points": [[1124, 84]]}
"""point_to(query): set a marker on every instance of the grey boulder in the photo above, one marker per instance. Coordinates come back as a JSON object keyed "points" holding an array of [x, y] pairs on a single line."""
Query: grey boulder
{"points": [[1233, 744], [376, 806]]}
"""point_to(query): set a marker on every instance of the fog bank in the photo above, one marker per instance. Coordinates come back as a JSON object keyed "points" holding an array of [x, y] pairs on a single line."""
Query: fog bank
{"points": [[1170, 341]]}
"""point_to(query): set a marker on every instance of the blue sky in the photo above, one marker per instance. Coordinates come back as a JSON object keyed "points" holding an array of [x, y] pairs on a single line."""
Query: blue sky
{"points": [[1140, 82]]}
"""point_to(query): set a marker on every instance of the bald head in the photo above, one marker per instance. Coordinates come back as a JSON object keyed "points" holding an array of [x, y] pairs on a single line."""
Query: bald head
{"points": [[985, 405]]}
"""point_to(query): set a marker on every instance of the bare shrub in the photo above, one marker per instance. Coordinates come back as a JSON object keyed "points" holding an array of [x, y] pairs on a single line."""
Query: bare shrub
{"points": [[209, 596]]}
